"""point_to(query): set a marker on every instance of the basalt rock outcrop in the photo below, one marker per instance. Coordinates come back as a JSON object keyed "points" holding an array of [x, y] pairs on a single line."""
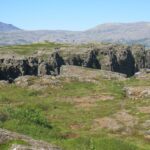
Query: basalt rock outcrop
{"points": [[30, 144], [117, 58]]}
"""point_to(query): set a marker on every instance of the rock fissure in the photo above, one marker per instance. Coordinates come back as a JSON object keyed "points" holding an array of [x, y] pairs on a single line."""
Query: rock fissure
{"points": [[127, 60]]}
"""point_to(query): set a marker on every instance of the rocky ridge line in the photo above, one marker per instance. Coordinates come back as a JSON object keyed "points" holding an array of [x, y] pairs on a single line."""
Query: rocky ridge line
{"points": [[122, 59]]}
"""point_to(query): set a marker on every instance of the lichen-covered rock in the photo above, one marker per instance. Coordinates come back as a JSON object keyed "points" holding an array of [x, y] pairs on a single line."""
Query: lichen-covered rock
{"points": [[146, 124], [43, 69], [3, 82], [35, 83], [6, 136], [89, 74], [138, 92], [147, 135], [143, 74], [23, 81]]}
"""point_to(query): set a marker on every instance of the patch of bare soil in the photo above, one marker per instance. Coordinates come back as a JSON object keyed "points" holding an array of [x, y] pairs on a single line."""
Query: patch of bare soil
{"points": [[85, 102], [69, 135], [88, 101], [145, 109], [126, 119], [75, 126], [145, 129], [107, 123], [147, 137], [120, 122]]}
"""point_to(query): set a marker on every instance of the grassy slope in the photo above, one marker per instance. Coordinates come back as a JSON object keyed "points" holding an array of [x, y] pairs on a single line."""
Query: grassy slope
{"points": [[30, 48], [49, 115]]}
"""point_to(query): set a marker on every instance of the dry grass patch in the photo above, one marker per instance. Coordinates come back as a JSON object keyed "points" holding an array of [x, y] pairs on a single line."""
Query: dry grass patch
{"points": [[120, 122], [75, 126], [126, 119], [88, 101], [145, 109], [107, 123]]}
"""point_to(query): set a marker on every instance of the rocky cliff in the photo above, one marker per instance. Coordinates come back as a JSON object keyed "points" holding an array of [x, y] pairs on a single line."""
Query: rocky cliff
{"points": [[117, 58]]}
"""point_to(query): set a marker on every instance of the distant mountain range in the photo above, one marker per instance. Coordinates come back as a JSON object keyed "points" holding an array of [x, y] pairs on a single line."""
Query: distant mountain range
{"points": [[127, 33], [7, 27]]}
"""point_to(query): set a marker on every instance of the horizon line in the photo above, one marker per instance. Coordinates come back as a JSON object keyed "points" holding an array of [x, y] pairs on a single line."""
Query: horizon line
{"points": [[105, 23]]}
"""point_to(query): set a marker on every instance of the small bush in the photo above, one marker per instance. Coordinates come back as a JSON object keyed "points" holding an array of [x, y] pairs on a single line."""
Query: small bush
{"points": [[3, 116], [29, 115]]}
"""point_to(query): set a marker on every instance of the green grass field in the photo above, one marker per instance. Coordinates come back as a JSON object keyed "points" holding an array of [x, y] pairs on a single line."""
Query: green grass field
{"points": [[55, 115], [30, 48]]}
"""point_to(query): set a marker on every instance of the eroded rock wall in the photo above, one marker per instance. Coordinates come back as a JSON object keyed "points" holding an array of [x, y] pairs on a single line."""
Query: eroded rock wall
{"points": [[122, 59]]}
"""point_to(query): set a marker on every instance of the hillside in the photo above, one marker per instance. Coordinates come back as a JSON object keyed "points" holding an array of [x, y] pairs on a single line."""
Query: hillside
{"points": [[121, 32], [127, 33], [7, 27]]}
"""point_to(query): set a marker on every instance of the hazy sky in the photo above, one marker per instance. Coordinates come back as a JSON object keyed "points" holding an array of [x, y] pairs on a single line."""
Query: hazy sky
{"points": [[71, 14]]}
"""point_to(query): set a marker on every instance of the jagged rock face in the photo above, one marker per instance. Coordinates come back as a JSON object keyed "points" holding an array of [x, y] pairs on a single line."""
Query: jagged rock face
{"points": [[55, 62], [43, 69], [140, 58], [91, 61], [11, 68], [126, 62], [114, 62], [122, 59], [75, 60], [147, 59], [32, 66]]}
